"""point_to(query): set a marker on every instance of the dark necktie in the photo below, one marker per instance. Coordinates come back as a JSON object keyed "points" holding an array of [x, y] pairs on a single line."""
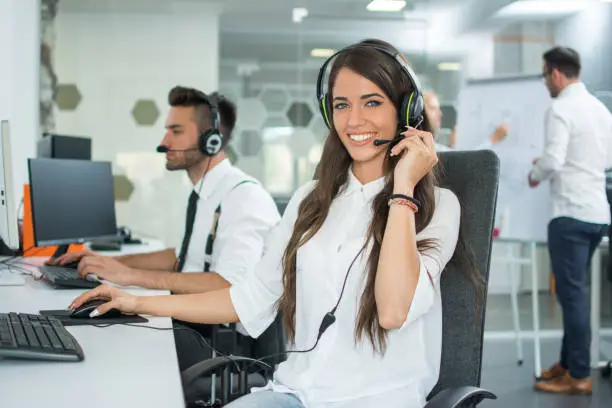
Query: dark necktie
{"points": [[191, 213]]}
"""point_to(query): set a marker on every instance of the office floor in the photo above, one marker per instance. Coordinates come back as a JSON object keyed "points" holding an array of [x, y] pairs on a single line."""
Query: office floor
{"points": [[512, 383]]}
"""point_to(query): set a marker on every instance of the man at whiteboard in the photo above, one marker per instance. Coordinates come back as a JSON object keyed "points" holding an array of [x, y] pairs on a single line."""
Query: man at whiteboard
{"points": [[578, 134], [434, 114]]}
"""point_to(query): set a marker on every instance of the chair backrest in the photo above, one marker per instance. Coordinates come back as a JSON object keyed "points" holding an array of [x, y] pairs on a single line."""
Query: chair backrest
{"points": [[474, 177]]}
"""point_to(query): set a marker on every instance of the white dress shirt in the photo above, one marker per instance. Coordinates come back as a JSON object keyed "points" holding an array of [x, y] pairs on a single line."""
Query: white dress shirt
{"points": [[339, 372], [578, 138], [248, 214]]}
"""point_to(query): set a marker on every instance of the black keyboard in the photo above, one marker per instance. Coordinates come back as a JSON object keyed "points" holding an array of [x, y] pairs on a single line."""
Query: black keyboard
{"points": [[60, 276], [37, 337]]}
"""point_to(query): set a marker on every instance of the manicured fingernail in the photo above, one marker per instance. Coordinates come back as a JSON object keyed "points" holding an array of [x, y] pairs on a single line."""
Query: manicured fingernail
{"points": [[94, 313]]}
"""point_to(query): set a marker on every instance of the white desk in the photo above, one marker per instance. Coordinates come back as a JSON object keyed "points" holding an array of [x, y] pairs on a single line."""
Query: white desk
{"points": [[123, 367], [148, 245]]}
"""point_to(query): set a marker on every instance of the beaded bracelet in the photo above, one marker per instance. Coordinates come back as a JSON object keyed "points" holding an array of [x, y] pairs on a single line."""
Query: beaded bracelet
{"points": [[404, 202], [411, 199]]}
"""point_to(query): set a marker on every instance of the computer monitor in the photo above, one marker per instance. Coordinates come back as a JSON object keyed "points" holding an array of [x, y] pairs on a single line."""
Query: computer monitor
{"points": [[73, 202], [8, 201], [55, 146]]}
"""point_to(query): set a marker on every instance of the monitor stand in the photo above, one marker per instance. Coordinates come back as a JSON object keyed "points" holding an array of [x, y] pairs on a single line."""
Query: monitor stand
{"points": [[61, 250]]}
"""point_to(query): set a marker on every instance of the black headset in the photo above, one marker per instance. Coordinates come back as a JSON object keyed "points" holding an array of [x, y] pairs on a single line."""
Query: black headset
{"points": [[411, 104], [210, 142]]}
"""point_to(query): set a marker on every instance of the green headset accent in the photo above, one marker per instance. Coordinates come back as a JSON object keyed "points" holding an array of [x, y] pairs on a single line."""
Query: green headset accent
{"points": [[411, 104]]}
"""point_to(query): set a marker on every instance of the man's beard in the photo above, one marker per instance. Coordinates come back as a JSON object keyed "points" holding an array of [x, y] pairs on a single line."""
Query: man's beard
{"points": [[188, 160]]}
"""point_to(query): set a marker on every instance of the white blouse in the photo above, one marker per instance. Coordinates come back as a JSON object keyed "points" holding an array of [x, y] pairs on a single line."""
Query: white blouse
{"points": [[339, 372]]}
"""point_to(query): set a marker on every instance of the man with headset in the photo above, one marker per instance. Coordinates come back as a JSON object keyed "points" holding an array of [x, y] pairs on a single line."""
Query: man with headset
{"points": [[228, 216]]}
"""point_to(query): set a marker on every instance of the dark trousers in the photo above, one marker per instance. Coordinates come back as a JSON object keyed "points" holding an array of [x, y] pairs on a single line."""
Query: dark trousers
{"points": [[571, 244]]}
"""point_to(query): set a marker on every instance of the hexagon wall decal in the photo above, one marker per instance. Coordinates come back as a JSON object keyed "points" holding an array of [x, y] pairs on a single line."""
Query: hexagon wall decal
{"points": [[145, 112], [67, 97], [123, 187], [251, 113], [274, 99], [250, 143], [301, 141], [299, 114]]}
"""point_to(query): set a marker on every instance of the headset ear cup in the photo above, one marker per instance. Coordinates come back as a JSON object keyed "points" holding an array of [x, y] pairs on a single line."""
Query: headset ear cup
{"points": [[411, 110], [417, 109], [211, 142]]}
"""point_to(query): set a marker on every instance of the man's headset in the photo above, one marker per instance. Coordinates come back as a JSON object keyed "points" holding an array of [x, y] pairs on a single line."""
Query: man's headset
{"points": [[411, 107], [211, 141]]}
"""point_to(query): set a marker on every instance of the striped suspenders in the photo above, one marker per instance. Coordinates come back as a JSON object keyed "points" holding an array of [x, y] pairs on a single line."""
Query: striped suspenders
{"points": [[210, 241]]}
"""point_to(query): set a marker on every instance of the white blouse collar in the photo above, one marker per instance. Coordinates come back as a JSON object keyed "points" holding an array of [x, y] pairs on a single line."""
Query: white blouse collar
{"points": [[369, 190]]}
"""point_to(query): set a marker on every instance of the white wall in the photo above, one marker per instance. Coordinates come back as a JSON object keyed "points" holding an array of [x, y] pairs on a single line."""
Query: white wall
{"points": [[19, 81], [116, 58], [594, 45]]}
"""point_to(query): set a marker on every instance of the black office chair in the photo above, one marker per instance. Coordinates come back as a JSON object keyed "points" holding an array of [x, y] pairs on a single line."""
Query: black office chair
{"points": [[235, 374], [473, 177]]}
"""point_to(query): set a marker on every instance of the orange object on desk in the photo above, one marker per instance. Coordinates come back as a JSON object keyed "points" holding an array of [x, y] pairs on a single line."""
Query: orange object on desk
{"points": [[27, 242]]}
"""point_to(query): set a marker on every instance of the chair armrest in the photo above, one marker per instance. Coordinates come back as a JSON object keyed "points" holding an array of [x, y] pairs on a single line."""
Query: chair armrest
{"points": [[190, 374], [454, 397]]}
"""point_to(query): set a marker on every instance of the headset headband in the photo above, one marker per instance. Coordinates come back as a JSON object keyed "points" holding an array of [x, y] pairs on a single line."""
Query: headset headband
{"points": [[396, 55], [214, 111]]}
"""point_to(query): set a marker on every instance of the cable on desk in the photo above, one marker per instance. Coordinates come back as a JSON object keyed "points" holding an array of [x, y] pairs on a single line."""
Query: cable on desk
{"points": [[24, 271], [178, 327], [20, 255]]}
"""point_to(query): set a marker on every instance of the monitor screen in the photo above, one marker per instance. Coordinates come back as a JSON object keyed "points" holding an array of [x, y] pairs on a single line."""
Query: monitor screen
{"points": [[73, 201]]}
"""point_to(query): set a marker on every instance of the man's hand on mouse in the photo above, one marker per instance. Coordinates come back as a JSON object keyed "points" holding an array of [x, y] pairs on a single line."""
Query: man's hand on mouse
{"points": [[117, 299], [71, 257], [106, 268]]}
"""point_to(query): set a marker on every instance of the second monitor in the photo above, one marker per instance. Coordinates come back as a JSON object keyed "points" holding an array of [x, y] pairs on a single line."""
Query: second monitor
{"points": [[73, 202]]}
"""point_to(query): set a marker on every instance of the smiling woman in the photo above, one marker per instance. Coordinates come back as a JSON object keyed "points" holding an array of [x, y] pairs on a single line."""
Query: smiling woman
{"points": [[354, 267]]}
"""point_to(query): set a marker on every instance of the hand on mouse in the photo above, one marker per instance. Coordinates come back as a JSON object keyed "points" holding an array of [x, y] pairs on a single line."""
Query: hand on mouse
{"points": [[107, 268], [71, 257], [117, 299]]}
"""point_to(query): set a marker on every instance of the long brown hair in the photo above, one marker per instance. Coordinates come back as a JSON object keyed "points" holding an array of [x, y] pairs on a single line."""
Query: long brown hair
{"points": [[332, 177]]}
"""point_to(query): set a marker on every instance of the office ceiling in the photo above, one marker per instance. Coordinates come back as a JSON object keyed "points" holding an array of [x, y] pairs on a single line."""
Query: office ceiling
{"points": [[262, 32]]}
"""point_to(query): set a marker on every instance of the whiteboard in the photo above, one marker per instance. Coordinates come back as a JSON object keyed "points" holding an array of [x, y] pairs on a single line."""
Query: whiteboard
{"points": [[521, 102]]}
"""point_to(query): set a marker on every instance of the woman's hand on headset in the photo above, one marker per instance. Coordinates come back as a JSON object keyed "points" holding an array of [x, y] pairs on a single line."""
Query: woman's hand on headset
{"points": [[418, 157]]}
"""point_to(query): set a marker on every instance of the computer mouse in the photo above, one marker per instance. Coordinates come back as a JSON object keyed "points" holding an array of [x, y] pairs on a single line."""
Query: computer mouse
{"points": [[86, 308], [71, 265]]}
